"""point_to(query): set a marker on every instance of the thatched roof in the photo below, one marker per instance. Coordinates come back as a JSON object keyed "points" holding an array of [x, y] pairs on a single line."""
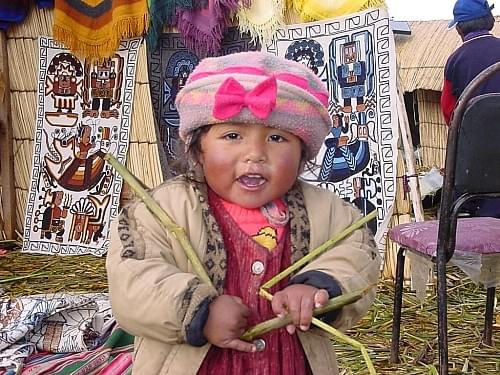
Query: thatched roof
{"points": [[422, 55]]}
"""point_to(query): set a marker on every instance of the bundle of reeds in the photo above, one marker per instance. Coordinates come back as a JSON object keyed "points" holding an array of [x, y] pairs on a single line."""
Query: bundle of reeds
{"points": [[27, 274]]}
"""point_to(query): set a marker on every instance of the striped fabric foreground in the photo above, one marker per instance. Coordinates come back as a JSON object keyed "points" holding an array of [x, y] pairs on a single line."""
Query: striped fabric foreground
{"points": [[114, 357]]}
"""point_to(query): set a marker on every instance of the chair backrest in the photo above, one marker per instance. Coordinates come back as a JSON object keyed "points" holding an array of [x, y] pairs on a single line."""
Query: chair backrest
{"points": [[477, 161], [472, 156]]}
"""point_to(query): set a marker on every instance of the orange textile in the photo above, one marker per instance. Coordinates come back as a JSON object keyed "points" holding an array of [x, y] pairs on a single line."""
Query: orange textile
{"points": [[94, 28]]}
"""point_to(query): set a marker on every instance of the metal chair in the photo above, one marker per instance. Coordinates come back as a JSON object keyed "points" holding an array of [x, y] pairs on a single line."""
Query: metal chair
{"points": [[472, 170]]}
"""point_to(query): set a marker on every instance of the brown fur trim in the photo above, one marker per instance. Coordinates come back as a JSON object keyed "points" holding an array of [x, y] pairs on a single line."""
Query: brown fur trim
{"points": [[132, 243], [299, 223], [215, 257]]}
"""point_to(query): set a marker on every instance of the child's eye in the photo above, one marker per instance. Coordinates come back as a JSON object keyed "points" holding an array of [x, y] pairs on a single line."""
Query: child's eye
{"points": [[231, 136], [277, 138]]}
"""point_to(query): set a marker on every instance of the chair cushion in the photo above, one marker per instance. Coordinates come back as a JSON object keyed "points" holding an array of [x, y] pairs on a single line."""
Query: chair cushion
{"points": [[479, 235]]}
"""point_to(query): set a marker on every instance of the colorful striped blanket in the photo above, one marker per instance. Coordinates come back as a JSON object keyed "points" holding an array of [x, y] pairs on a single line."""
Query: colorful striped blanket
{"points": [[114, 357]]}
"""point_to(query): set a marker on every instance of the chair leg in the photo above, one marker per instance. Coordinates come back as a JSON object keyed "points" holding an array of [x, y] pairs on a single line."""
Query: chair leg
{"points": [[398, 302], [488, 316], [442, 313]]}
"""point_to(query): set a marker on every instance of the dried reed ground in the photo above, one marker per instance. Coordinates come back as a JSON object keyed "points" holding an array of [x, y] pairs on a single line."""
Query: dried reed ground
{"points": [[24, 274]]}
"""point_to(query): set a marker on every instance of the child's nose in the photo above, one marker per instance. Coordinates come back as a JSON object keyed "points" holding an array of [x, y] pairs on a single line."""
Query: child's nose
{"points": [[255, 153]]}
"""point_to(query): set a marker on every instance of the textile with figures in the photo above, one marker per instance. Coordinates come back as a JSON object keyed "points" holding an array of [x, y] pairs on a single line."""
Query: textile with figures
{"points": [[84, 112], [169, 67], [355, 56], [51, 323]]}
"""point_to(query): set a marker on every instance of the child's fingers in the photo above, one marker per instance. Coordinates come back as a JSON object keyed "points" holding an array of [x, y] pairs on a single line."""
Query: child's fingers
{"points": [[244, 310], [306, 308], [320, 298], [290, 329], [279, 304], [241, 346], [294, 310], [237, 299]]}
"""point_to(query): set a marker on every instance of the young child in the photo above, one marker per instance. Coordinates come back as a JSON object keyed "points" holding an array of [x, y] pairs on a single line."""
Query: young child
{"points": [[249, 122]]}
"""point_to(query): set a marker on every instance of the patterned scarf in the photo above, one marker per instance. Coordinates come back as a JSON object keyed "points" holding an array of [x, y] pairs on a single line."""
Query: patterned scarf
{"points": [[314, 10], [261, 19], [93, 29], [202, 29]]}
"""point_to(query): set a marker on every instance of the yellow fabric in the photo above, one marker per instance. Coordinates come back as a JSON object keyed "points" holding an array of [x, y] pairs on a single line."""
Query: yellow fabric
{"points": [[95, 41], [295, 5], [261, 19], [314, 10], [267, 237], [92, 3]]}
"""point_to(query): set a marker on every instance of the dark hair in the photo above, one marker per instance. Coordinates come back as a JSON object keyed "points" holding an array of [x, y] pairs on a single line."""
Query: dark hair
{"points": [[484, 23], [182, 164]]}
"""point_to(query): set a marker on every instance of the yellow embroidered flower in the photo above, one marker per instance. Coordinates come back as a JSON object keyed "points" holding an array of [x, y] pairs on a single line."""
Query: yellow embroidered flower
{"points": [[267, 237]]}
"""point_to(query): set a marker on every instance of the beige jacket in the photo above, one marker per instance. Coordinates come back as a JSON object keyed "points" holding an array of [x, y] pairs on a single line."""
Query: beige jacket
{"points": [[154, 293]]}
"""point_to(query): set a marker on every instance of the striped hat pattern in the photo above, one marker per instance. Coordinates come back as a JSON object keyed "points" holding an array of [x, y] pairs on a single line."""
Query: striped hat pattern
{"points": [[256, 88]]}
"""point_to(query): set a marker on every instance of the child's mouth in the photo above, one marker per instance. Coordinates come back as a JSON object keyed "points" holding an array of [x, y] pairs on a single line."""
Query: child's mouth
{"points": [[251, 181]]}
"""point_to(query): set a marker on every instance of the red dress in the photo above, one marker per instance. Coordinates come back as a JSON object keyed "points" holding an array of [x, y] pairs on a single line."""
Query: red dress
{"points": [[283, 353]]}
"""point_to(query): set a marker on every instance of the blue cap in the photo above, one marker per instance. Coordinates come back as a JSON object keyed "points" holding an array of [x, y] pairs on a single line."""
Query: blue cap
{"points": [[467, 10]]}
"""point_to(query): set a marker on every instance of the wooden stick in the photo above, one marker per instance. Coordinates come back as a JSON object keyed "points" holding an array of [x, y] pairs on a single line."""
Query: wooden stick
{"points": [[6, 147], [404, 127], [178, 232], [275, 323], [348, 340], [319, 250]]}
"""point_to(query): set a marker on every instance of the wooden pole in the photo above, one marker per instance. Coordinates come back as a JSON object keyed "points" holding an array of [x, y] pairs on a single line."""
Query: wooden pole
{"points": [[6, 147], [404, 126]]}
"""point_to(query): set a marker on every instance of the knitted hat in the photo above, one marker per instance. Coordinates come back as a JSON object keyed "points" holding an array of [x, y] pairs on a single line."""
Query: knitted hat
{"points": [[255, 88]]}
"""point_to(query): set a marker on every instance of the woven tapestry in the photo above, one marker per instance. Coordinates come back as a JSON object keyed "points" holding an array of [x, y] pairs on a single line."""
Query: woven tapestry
{"points": [[355, 57], [84, 112], [169, 67]]}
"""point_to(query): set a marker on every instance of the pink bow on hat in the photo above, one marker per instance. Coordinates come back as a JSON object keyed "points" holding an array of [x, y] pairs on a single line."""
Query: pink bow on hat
{"points": [[231, 97]]}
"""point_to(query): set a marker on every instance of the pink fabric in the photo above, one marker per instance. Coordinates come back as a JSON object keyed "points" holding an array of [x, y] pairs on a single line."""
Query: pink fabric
{"points": [[292, 79], [231, 97], [480, 235], [202, 30], [300, 103], [119, 365], [251, 221], [302, 83], [283, 353]]}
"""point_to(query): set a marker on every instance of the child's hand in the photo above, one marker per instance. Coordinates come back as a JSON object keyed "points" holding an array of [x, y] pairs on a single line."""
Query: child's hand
{"points": [[298, 300], [227, 320]]}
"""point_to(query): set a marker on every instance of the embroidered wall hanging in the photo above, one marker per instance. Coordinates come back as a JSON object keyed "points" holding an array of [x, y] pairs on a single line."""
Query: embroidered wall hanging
{"points": [[169, 67], [355, 57], [84, 111]]}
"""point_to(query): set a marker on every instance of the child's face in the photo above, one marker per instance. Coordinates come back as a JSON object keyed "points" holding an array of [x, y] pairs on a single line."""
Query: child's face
{"points": [[250, 165]]}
